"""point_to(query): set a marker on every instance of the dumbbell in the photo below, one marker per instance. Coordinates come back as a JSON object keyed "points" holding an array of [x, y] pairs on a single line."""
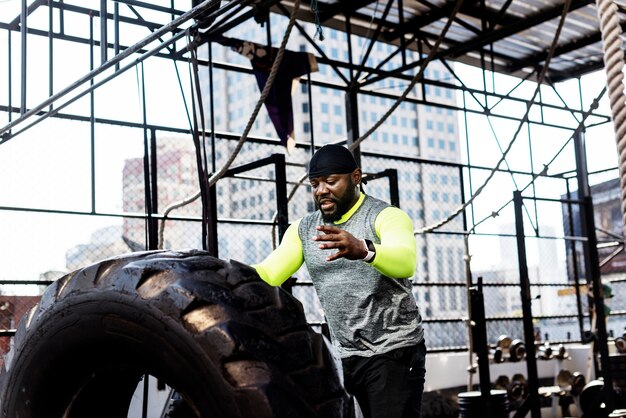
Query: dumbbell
{"points": [[545, 351], [575, 382], [517, 350], [502, 382], [502, 346], [620, 344], [517, 388], [562, 353], [505, 346]]}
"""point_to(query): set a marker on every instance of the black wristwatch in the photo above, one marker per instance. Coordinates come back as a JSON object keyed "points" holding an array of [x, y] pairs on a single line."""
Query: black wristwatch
{"points": [[371, 251]]}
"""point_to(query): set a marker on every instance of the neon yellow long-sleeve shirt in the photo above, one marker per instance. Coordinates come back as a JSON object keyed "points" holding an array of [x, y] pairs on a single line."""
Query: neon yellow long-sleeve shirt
{"points": [[396, 254]]}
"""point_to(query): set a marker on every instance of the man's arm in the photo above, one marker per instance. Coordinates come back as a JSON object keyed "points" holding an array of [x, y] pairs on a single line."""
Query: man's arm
{"points": [[396, 255], [284, 260]]}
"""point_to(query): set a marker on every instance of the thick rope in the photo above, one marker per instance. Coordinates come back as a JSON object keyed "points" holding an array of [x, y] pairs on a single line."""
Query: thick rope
{"points": [[244, 136], [613, 65]]}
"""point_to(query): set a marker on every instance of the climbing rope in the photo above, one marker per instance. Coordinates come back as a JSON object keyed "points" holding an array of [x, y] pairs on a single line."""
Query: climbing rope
{"points": [[613, 64], [244, 136]]}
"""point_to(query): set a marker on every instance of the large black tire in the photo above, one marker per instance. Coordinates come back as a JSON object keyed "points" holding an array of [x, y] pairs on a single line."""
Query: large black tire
{"points": [[231, 345]]}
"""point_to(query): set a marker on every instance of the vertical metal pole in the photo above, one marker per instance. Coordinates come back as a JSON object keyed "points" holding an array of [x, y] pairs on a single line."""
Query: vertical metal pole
{"points": [[92, 122], [394, 194], [50, 51], [146, 390], [281, 194], [61, 18], [532, 165], [352, 119], [469, 170], [153, 223], [146, 168], [211, 106], [592, 264], [23, 34], [104, 42], [402, 38], [481, 347], [10, 75], [116, 28], [349, 40], [574, 255], [526, 300], [212, 243], [468, 282], [310, 95]]}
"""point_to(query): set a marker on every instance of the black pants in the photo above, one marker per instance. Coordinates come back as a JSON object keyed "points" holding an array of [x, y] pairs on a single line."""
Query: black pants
{"points": [[388, 385]]}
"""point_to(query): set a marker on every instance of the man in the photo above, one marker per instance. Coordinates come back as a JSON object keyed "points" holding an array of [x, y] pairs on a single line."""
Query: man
{"points": [[360, 253]]}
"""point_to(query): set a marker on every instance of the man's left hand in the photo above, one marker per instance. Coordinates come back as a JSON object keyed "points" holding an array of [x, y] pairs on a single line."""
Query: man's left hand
{"points": [[346, 244]]}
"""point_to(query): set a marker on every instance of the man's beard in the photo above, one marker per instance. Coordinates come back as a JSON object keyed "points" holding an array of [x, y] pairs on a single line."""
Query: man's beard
{"points": [[342, 205]]}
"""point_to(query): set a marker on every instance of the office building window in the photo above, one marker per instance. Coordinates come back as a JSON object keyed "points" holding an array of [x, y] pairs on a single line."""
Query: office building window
{"points": [[305, 107], [429, 124], [452, 145], [442, 144], [431, 142], [325, 127], [306, 127], [324, 108]]}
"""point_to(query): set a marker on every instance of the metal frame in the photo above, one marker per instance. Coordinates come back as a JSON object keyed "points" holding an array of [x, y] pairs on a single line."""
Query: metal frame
{"points": [[406, 34]]}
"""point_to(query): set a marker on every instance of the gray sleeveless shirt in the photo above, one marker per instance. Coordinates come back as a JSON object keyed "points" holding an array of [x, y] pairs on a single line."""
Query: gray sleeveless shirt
{"points": [[367, 313]]}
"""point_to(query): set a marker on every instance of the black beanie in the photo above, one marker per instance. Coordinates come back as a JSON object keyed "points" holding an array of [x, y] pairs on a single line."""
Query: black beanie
{"points": [[331, 159]]}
